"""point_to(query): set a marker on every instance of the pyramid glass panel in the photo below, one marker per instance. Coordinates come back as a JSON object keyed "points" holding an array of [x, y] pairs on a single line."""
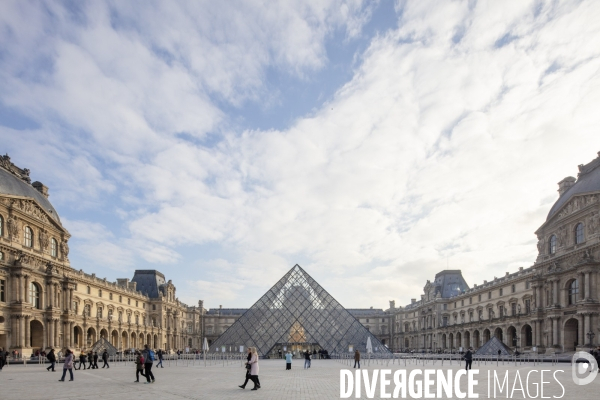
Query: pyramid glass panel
{"points": [[295, 313]]}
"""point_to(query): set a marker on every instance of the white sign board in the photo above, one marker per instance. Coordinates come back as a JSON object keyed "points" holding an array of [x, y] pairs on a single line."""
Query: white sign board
{"points": [[187, 349], [223, 349], [241, 349], [350, 348]]}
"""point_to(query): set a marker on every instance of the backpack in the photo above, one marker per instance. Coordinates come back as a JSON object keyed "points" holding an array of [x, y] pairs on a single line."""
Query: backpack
{"points": [[151, 355]]}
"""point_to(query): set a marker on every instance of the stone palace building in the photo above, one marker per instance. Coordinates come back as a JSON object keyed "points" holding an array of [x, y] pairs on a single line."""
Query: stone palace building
{"points": [[552, 305]]}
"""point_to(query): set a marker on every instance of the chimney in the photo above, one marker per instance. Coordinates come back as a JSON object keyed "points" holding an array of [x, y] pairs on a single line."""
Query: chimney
{"points": [[40, 187], [413, 301], [565, 184], [392, 304], [123, 282]]}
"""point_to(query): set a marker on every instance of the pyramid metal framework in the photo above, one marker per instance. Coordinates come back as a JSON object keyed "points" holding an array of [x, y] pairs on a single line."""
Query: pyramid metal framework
{"points": [[102, 345], [298, 309], [491, 347]]}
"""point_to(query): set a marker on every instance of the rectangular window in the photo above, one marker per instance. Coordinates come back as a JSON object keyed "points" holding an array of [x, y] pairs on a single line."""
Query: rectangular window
{"points": [[136, 303], [514, 308], [527, 285], [445, 306], [110, 296], [500, 292], [527, 306], [501, 309], [444, 321], [512, 288], [479, 298], [120, 299], [454, 304], [382, 320], [470, 300], [2, 290], [367, 320], [462, 303], [99, 292], [489, 295], [128, 301]]}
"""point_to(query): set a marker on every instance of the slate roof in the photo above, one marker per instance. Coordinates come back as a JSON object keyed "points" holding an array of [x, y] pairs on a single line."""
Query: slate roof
{"points": [[588, 180], [10, 184], [148, 281], [450, 283]]}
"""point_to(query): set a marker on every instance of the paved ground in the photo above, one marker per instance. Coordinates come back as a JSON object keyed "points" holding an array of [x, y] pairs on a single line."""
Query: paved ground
{"points": [[322, 381]]}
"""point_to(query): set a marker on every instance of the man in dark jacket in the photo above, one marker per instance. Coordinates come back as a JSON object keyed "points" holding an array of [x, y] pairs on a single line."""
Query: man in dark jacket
{"points": [[160, 358], [148, 361], [95, 360], [468, 358], [52, 358], [105, 359], [81, 360]]}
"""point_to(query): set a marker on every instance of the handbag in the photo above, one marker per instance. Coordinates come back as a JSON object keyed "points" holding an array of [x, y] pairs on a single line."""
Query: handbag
{"points": [[248, 366]]}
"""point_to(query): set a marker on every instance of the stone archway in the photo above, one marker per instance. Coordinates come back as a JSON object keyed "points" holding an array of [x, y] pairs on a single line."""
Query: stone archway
{"points": [[571, 330], [499, 335], [444, 341], [124, 340], [458, 340], [114, 338], [90, 337], [149, 340], [155, 343], [486, 336], [476, 340], [467, 339], [511, 336], [133, 342], [36, 334], [141, 342], [526, 336], [78, 336], [406, 343], [104, 333], [451, 340]]}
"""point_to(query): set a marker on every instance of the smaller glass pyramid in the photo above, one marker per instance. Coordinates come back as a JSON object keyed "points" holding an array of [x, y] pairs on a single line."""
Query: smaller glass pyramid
{"points": [[298, 311], [491, 347]]}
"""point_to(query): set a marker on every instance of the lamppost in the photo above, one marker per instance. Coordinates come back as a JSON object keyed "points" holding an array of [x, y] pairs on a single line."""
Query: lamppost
{"points": [[590, 336]]}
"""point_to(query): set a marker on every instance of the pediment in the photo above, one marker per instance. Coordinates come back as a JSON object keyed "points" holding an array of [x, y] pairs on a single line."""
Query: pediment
{"points": [[31, 208], [576, 204]]}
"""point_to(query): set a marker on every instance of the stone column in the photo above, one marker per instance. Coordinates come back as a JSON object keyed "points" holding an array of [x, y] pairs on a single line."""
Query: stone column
{"points": [[581, 284], [581, 330], [534, 297], [555, 293], [587, 328], [50, 295], [554, 331], [50, 324], [587, 286], [25, 287], [22, 331], [70, 308], [27, 333]]}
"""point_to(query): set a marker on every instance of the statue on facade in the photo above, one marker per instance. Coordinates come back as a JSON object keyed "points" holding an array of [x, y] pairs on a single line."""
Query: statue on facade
{"points": [[64, 248]]}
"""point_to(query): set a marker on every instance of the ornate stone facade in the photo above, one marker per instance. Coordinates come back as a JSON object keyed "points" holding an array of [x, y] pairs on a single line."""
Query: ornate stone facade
{"points": [[45, 303]]}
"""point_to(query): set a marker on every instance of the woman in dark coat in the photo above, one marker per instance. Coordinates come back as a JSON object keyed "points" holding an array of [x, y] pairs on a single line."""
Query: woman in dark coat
{"points": [[247, 368]]}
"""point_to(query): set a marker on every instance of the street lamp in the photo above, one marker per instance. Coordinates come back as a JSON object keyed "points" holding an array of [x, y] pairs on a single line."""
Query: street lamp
{"points": [[590, 336]]}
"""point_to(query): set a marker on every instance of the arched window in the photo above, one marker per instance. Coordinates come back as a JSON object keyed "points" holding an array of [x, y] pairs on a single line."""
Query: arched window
{"points": [[573, 291], [1, 226], [87, 310], [34, 295], [99, 312], [552, 245], [579, 233], [28, 237], [53, 247], [154, 306], [89, 291]]}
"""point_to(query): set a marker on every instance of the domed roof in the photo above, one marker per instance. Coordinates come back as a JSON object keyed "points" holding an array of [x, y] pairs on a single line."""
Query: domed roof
{"points": [[588, 181], [15, 181]]}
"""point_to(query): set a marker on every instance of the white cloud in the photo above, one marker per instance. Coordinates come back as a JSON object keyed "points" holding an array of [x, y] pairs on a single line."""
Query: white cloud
{"points": [[443, 149]]}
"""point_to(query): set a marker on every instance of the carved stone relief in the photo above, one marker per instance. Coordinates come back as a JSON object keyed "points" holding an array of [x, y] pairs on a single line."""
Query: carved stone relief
{"points": [[44, 239], [562, 236], [12, 226], [577, 204], [593, 223], [29, 207], [64, 249]]}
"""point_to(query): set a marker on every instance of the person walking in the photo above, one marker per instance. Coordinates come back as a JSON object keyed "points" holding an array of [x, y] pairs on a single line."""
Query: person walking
{"points": [[68, 365], [2, 358], [254, 369], [95, 360], [139, 366], [148, 361], [160, 358], [468, 359], [81, 360], [248, 366], [288, 360], [105, 359], [52, 358], [306, 359], [90, 358], [357, 358]]}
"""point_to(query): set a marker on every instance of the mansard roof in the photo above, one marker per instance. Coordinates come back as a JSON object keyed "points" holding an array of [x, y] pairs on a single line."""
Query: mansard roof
{"points": [[15, 181], [588, 181], [148, 281]]}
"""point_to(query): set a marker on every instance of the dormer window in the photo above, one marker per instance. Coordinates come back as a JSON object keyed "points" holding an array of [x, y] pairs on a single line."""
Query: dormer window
{"points": [[579, 237], [552, 245]]}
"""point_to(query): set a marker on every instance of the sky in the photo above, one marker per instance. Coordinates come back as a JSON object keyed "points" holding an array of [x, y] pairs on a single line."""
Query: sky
{"points": [[372, 143]]}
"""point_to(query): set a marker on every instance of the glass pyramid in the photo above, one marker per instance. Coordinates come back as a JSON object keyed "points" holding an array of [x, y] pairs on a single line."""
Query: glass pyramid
{"points": [[297, 311], [491, 347]]}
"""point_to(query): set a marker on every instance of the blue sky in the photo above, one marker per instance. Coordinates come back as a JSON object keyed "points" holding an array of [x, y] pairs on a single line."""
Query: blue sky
{"points": [[373, 143]]}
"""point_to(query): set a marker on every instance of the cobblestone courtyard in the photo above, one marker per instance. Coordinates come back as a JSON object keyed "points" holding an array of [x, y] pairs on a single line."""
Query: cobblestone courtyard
{"points": [[322, 381]]}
